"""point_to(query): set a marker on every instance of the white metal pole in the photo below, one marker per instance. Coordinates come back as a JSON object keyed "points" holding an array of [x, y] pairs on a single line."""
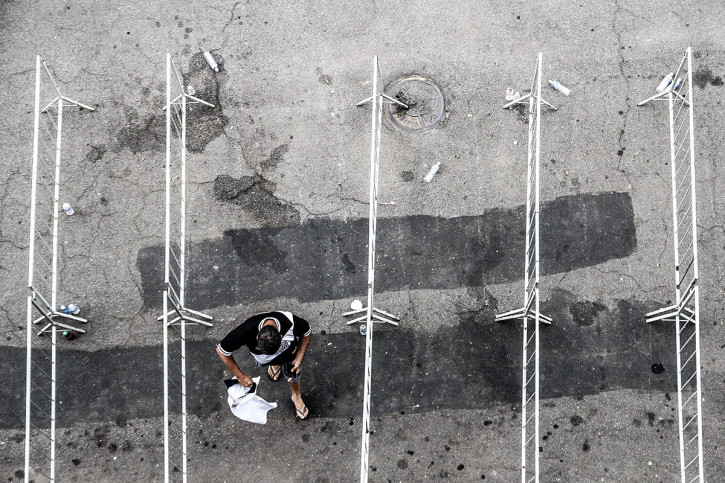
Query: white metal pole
{"points": [[700, 461], [183, 399], [182, 244], [168, 169], [678, 321], [166, 267], [28, 384], [537, 159], [166, 387], [54, 290], [53, 362], [696, 269], [31, 264], [365, 446], [33, 192]]}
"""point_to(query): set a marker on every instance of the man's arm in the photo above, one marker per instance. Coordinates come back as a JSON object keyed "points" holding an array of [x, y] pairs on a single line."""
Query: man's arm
{"points": [[297, 362], [232, 365]]}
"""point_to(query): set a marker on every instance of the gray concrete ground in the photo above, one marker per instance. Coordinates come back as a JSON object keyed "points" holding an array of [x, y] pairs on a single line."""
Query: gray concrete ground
{"points": [[277, 205]]}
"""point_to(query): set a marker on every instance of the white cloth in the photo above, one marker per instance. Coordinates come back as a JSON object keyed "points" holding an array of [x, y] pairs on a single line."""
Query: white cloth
{"points": [[247, 405]]}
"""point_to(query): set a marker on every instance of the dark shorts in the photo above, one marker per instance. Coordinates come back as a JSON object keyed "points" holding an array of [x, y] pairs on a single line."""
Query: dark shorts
{"points": [[287, 371]]}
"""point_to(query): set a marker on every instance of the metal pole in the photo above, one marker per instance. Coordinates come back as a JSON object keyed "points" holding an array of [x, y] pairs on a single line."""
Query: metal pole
{"points": [[33, 192], [675, 241], [537, 160], [696, 269], [53, 297], [31, 258], [28, 385], [168, 168], [700, 461], [365, 447], [53, 301], [182, 244], [166, 267], [166, 388], [183, 398]]}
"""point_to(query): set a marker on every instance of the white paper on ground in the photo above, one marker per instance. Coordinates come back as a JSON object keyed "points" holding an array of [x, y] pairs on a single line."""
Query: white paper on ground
{"points": [[248, 406]]}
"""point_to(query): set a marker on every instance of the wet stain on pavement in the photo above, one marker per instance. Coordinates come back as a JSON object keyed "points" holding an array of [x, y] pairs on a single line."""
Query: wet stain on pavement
{"points": [[255, 194], [585, 312], [96, 153], [203, 123], [275, 157], [142, 134], [416, 252], [704, 75], [473, 364]]}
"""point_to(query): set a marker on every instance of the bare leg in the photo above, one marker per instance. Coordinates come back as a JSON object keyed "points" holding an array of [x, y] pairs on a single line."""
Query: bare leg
{"points": [[297, 399]]}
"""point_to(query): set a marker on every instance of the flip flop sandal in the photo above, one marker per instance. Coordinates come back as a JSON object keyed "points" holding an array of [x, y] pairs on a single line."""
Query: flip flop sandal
{"points": [[272, 374], [302, 413]]}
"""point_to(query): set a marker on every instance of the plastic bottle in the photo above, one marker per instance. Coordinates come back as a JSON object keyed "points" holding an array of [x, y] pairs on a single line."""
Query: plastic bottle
{"points": [[68, 209], [363, 329], [68, 335], [210, 60], [432, 172], [70, 309], [665, 82], [517, 96], [677, 84], [509, 94], [190, 90], [558, 86]]}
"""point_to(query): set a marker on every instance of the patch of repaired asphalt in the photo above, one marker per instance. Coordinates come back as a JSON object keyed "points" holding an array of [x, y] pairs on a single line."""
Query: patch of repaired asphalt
{"points": [[325, 259], [255, 194], [204, 124]]}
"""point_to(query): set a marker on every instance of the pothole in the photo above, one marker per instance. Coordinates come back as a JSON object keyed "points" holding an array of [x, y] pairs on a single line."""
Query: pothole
{"points": [[426, 107]]}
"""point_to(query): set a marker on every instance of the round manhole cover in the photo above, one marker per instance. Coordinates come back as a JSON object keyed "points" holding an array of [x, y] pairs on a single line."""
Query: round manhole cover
{"points": [[425, 104]]}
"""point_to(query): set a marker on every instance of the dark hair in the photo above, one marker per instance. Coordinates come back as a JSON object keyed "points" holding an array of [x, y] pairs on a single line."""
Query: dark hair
{"points": [[269, 339]]}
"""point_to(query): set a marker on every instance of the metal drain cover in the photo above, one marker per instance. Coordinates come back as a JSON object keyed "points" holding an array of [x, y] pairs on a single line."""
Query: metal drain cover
{"points": [[424, 99]]}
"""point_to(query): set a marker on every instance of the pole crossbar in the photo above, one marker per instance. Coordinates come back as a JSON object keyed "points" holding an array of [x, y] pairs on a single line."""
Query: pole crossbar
{"points": [[372, 314], [530, 312], [175, 312], [686, 310], [43, 275]]}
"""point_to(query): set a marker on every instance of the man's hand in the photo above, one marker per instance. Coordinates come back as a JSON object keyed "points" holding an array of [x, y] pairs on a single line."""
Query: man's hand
{"points": [[296, 365], [245, 380]]}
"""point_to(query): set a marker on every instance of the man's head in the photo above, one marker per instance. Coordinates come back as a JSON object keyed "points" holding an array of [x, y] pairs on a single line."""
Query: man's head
{"points": [[269, 338]]}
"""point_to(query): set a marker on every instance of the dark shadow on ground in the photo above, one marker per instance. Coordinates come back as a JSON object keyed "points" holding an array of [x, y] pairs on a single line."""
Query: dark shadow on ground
{"points": [[476, 363], [325, 259]]}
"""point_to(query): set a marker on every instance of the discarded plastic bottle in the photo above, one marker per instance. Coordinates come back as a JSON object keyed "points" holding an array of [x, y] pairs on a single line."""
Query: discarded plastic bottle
{"points": [[363, 329], [677, 84], [432, 172], [70, 309], [517, 96], [68, 334], [190, 90], [665, 82], [68, 209], [210, 60], [558, 86], [509, 94]]}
